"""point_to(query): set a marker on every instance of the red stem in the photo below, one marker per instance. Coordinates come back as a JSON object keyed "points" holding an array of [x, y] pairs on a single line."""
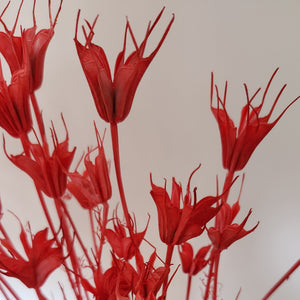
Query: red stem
{"points": [[9, 288], [188, 289], [4, 293], [39, 119], [209, 276], [227, 184], [93, 229], [283, 278], [102, 238], [216, 270], [168, 260], [40, 294], [116, 152], [73, 257], [76, 232]]}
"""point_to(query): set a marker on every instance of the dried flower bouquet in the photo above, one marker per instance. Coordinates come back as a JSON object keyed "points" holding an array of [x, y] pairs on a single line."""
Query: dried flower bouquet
{"points": [[119, 261]]}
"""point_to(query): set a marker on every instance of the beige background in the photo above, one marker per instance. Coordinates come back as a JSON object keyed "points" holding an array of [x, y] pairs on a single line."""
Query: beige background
{"points": [[170, 129]]}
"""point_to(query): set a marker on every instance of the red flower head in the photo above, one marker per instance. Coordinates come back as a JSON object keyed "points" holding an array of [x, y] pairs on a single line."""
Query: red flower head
{"points": [[177, 225], [113, 97], [115, 283], [190, 264], [36, 44], [42, 259], [149, 279], [93, 187], [239, 143], [15, 114], [122, 245], [224, 233], [47, 171]]}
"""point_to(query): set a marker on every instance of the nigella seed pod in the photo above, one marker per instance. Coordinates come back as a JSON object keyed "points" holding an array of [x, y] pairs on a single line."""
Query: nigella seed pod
{"points": [[93, 186], [113, 97]]}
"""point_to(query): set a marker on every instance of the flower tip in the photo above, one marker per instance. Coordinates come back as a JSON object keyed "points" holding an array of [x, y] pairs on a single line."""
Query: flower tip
{"points": [[77, 22]]}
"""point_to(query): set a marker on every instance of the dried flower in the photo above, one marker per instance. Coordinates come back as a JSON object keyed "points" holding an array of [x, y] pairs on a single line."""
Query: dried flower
{"points": [[15, 114], [115, 283], [93, 186], [47, 171], [190, 264], [122, 245], [42, 258], [177, 225], [36, 44], [224, 233], [149, 279], [113, 97], [239, 143]]}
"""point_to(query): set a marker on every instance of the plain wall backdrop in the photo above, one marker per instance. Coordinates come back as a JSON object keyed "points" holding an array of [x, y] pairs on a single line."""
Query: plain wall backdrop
{"points": [[170, 129]]}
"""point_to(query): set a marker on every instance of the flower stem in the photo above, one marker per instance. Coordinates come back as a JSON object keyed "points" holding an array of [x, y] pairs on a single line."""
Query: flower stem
{"points": [[282, 279], [9, 288], [103, 228], [70, 248], [65, 211], [168, 260], [40, 294], [227, 184], [209, 276], [116, 153], [188, 289], [39, 119], [216, 270]]}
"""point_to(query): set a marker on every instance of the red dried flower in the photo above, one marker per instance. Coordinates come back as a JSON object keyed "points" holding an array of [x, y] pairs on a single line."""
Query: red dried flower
{"points": [[36, 44], [149, 279], [115, 283], [47, 171], [93, 186], [15, 114], [122, 245], [239, 143], [177, 225], [113, 97], [42, 259], [190, 264], [224, 233]]}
